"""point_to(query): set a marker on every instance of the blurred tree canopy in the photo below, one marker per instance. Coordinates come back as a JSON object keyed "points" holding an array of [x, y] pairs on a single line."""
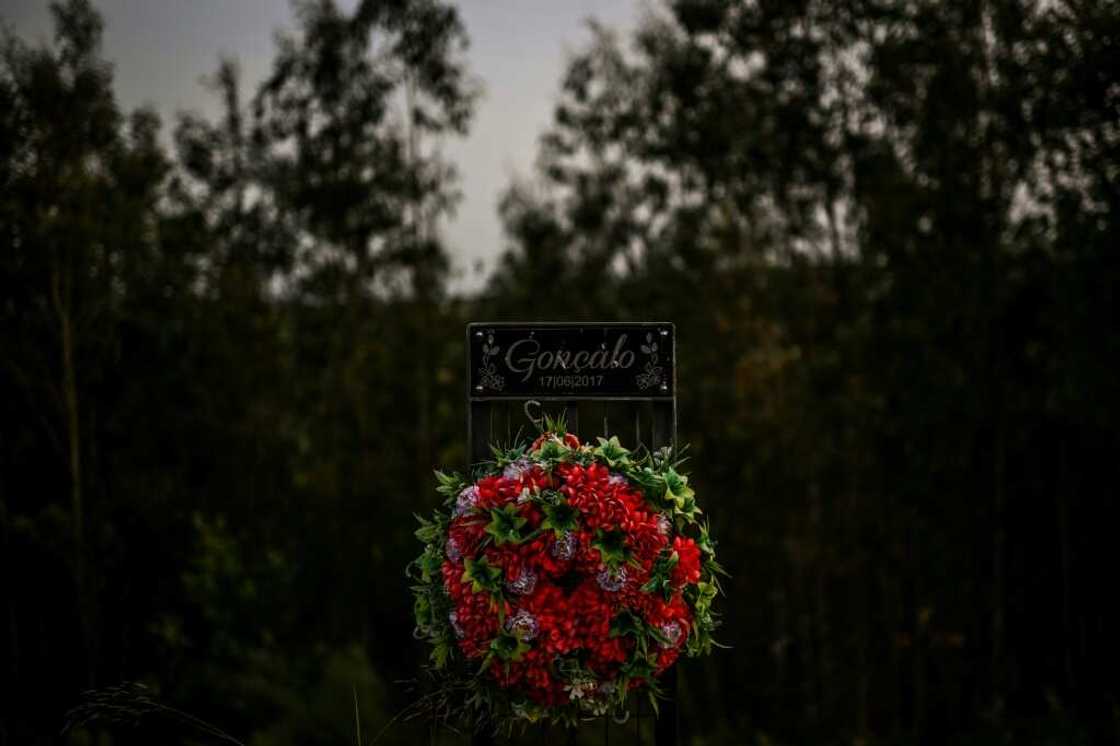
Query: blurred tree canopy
{"points": [[886, 232]]}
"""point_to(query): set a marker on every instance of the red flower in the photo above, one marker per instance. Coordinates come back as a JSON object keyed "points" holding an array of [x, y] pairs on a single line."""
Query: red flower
{"points": [[569, 440], [494, 492], [688, 568]]}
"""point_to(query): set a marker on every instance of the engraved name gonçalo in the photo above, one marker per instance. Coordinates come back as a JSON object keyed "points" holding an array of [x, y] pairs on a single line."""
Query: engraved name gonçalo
{"points": [[526, 356]]}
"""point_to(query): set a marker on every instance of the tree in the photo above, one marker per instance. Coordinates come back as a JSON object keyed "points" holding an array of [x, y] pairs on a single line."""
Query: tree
{"points": [[342, 116], [322, 285], [79, 191], [854, 213]]}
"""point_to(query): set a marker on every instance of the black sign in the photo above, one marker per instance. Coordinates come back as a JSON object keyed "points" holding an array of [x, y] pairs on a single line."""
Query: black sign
{"points": [[543, 361]]}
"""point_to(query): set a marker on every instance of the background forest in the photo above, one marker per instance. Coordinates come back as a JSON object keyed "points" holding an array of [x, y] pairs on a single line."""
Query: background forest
{"points": [[886, 231]]}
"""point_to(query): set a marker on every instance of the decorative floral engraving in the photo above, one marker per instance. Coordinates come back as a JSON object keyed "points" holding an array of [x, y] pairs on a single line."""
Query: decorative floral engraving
{"points": [[652, 374], [488, 376]]}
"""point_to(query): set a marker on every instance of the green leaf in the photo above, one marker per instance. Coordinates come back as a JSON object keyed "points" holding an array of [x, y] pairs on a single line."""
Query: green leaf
{"points": [[626, 624], [422, 611], [556, 425], [560, 517], [508, 647], [660, 577], [553, 450], [640, 666], [449, 485], [612, 452], [705, 542], [612, 547], [676, 485], [505, 525], [430, 562], [482, 576], [440, 653], [503, 456], [429, 531], [705, 593]]}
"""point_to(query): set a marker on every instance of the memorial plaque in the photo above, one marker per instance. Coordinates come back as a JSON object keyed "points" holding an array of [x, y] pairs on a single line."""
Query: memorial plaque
{"points": [[566, 361]]}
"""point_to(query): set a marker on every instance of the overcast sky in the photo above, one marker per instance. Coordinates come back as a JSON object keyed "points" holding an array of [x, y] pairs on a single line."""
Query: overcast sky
{"points": [[161, 49]]}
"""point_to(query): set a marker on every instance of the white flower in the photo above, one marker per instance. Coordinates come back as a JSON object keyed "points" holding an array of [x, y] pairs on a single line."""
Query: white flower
{"points": [[612, 580], [597, 707], [466, 500], [455, 626], [565, 546], [522, 625], [672, 632], [524, 583], [578, 688], [515, 469]]}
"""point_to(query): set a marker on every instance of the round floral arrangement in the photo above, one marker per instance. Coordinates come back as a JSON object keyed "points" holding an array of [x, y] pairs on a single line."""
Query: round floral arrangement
{"points": [[562, 577]]}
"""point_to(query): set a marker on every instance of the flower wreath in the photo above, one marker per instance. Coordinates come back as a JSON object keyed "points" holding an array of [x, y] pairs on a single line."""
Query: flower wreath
{"points": [[563, 577]]}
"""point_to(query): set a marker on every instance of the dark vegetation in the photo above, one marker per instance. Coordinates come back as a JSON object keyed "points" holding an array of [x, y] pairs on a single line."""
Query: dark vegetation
{"points": [[886, 231]]}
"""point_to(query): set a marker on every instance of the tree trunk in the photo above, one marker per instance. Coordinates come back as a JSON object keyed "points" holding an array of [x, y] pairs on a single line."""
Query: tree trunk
{"points": [[1065, 555], [60, 297]]}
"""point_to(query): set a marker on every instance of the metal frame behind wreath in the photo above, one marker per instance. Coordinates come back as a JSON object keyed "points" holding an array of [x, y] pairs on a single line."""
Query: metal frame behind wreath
{"points": [[606, 379]]}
